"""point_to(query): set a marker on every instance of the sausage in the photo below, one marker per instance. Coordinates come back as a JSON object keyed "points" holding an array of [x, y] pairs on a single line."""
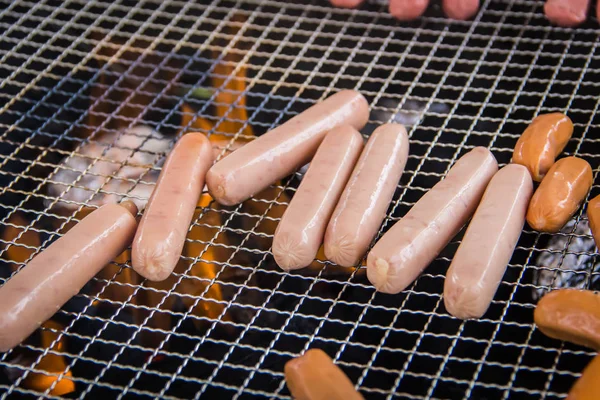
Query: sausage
{"points": [[314, 376], [346, 3], [366, 198], [406, 10], [560, 194], [281, 151], [58, 273], [542, 141], [593, 213], [481, 259], [571, 315], [587, 386], [302, 227], [414, 242], [164, 226], [567, 13], [460, 9]]}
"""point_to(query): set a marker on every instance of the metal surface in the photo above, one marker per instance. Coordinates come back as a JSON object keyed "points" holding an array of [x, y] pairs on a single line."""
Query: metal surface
{"points": [[459, 85]]}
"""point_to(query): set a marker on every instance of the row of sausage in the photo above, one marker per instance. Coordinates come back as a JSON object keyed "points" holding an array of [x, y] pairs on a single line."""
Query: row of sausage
{"points": [[343, 201]]}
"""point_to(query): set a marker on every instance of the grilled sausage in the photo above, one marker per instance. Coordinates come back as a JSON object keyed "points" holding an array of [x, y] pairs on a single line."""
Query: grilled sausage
{"points": [[366, 198], [346, 3], [414, 242], [460, 9], [281, 151], [566, 13], [560, 194], [542, 141], [487, 247], [302, 227], [593, 213], [164, 226], [571, 315], [58, 273], [314, 376], [587, 386], [406, 10]]}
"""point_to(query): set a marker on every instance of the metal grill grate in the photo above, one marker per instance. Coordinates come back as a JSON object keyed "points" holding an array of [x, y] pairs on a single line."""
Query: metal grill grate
{"points": [[77, 74]]}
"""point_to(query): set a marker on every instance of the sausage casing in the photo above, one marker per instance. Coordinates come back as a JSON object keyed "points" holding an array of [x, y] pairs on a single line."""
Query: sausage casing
{"points": [[560, 194], [587, 386], [571, 315], [481, 259], [566, 13], [165, 223], [366, 198], [59, 272], [414, 242], [593, 213], [460, 9], [283, 150], [302, 227], [542, 141], [406, 10], [314, 376]]}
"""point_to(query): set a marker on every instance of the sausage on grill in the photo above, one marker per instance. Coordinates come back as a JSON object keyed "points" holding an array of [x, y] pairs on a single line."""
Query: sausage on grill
{"points": [[571, 315], [560, 194], [487, 247], [542, 141], [164, 226], [593, 213], [281, 151], [314, 376], [366, 198], [406, 10], [415, 241], [301, 229], [566, 12], [587, 386], [460, 9], [58, 273]]}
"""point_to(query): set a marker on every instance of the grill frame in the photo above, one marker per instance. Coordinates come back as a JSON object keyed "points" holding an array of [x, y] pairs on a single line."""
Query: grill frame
{"points": [[274, 31]]}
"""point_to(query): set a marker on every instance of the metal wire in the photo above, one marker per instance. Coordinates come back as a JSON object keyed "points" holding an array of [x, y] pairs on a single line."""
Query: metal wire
{"points": [[474, 83]]}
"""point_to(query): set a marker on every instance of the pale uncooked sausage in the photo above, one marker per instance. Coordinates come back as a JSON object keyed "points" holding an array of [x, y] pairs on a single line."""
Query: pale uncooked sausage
{"points": [[482, 257], [59, 272], [166, 220], [400, 256], [283, 150], [366, 198], [301, 229]]}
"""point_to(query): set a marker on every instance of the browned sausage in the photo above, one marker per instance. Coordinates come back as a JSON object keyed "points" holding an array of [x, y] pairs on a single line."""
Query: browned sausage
{"points": [[314, 376], [593, 213], [542, 141], [58, 273], [587, 386], [570, 315], [560, 194]]}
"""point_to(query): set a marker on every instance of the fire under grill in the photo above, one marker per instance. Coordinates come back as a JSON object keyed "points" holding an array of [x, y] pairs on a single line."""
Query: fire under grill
{"points": [[94, 94]]}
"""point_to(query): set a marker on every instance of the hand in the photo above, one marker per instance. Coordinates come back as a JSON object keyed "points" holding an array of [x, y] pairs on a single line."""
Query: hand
{"points": [[566, 13]]}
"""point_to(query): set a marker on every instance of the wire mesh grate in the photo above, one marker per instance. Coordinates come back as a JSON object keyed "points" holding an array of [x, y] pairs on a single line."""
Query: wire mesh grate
{"points": [[92, 96]]}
